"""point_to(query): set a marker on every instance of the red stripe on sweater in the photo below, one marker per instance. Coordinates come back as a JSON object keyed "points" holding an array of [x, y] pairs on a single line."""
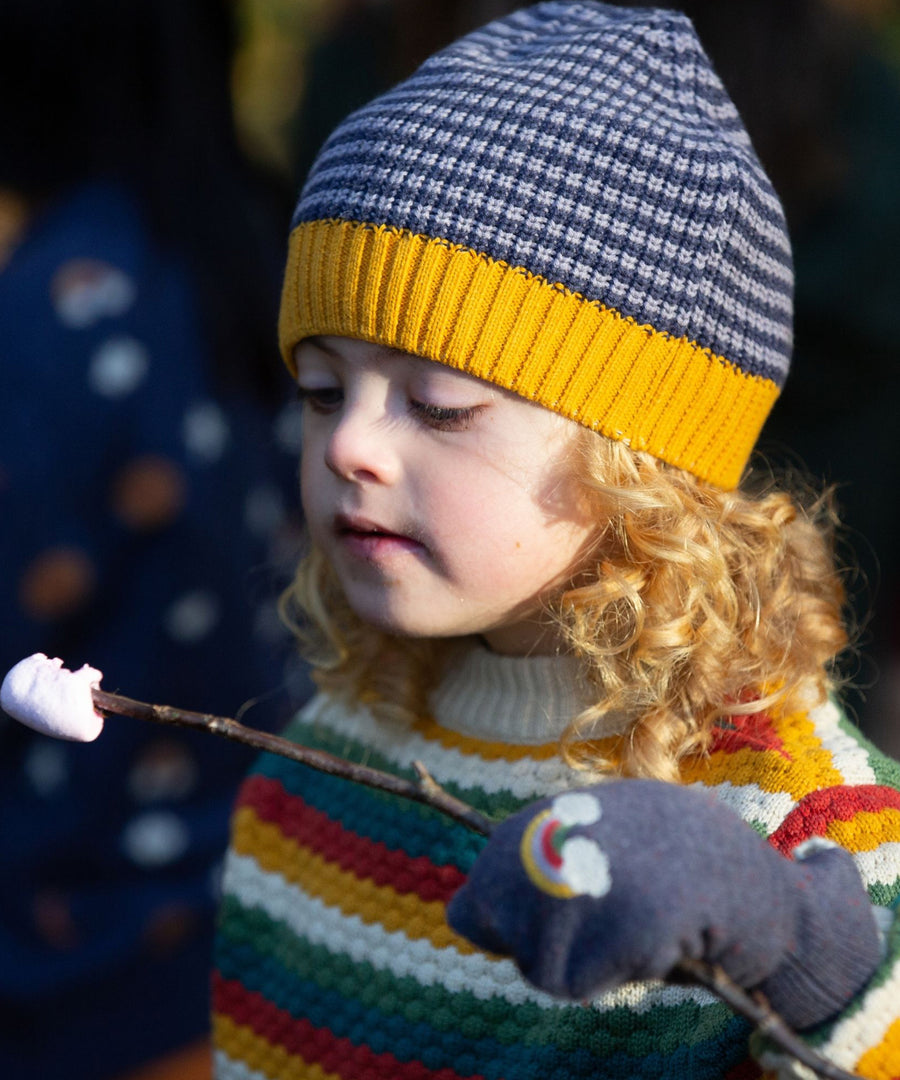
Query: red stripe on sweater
{"points": [[755, 731], [315, 1045], [368, 859], [812, 815]]}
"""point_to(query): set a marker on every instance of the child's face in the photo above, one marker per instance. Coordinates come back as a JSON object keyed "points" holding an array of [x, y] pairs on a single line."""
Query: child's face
{"points": [[445, 505]]}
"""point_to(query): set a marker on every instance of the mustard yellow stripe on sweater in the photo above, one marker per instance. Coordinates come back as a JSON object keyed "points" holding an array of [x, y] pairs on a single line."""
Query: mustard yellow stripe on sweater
{"points": [[374, 904], [243, 1044], [866, 830], [608, 749], [882, 1062], [470, 746], [424, 295]]}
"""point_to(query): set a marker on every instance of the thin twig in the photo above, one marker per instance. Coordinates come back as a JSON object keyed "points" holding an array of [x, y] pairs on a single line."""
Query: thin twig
{"points": [[425, 791], [428, 791], [758, 1011]]}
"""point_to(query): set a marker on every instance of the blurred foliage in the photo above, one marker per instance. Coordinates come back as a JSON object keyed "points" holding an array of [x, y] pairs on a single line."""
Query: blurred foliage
{"points": [[269, 73], [277, 36], [883, 16]]}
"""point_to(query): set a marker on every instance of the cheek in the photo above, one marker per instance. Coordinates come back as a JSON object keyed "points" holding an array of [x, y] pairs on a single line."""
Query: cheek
{"points": [[505, 534], [480, 505], [538, 532]]}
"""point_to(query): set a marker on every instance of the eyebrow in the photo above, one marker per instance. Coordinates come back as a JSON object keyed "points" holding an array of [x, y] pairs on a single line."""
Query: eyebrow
{"points": [[318, 343], [380, 350]]}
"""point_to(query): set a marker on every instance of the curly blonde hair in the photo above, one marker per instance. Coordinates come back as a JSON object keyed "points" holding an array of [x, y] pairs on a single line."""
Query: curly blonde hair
{"points": [[701, 603]]}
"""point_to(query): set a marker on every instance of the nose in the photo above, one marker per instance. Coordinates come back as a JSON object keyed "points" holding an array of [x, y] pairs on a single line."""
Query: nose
{"points": [[360, 448]]}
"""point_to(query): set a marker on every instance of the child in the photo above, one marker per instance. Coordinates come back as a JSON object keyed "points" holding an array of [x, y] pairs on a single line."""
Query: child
{"points": [[538, 306]]}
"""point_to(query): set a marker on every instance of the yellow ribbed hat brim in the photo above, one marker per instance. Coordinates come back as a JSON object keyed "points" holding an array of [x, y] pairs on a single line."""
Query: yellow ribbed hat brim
{"points": [[426, 296]]}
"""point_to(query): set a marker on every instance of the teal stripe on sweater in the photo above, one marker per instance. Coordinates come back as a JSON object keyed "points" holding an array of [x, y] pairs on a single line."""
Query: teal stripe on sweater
{"points": [[399, 823], [499, 804]]}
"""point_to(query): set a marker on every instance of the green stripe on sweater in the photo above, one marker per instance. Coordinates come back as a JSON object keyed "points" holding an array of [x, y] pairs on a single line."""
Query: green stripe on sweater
{"points": [[661, 1028]]}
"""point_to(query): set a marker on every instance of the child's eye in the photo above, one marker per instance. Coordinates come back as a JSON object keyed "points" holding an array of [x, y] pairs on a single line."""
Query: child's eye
{"points": [[321, 399], [443, 417]]}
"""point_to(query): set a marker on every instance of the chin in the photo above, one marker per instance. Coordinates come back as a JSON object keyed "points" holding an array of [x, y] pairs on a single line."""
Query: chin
{"points": [[413, 631], [388, 622], [406, 624]]}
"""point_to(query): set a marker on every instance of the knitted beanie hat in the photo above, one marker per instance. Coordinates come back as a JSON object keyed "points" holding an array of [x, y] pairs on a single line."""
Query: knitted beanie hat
{"points": [[566, 204]]}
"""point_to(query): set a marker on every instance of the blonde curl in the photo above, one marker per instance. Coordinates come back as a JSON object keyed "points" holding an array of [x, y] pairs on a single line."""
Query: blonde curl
{"points": [[703, 603], [697, 604]]}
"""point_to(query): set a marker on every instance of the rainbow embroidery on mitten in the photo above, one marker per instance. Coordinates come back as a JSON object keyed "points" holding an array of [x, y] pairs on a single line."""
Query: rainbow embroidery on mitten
{"points": [[559, 863]]}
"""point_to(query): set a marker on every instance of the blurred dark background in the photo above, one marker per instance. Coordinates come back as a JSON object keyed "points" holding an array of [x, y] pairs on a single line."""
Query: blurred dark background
{"points": [[151, 156], [148, 458]]}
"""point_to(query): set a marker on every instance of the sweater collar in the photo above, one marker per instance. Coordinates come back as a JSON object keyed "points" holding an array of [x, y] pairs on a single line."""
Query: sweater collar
{"points": [[513, 699]]}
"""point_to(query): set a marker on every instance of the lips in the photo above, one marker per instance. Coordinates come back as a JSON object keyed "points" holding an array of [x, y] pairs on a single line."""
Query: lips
{"points": [[347, 525], [371, 540]]}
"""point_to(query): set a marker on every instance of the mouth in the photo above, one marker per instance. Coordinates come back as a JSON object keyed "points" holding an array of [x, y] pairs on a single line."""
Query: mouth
{"points": [[347, 525], [371, 539]]}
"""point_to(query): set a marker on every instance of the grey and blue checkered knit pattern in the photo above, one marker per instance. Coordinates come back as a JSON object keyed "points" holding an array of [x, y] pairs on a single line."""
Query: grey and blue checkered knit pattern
{"points": [[595, 147]]}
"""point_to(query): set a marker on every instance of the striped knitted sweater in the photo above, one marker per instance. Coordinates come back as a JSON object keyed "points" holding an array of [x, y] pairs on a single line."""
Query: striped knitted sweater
{"points": [[333, 958]]}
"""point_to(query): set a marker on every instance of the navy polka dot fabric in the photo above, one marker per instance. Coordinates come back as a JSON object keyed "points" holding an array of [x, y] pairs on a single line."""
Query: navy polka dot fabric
{"points": [[144, 520]]}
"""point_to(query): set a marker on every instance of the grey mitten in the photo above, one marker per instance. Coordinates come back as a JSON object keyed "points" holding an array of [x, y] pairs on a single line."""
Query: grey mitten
{"points": [[622, 880]]}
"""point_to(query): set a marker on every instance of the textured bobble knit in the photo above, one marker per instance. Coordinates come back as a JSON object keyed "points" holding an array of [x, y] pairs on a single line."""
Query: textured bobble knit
{"points": [[334, 958], [564, 203]]}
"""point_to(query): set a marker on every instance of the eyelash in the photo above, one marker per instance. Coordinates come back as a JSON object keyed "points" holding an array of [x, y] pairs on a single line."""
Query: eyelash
{"points": [[440, 417], [321, 400], [443, 418]]}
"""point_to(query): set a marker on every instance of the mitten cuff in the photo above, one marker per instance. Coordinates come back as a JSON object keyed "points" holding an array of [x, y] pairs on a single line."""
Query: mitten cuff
{"points": [[837, 942]]}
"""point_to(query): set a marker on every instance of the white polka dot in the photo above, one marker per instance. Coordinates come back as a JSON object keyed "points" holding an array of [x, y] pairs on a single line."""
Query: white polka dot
{"points": [[585, 867], [46, 767], [85, 291], [206, 432], [155, 839], [263, 509], [289, 428], [118, 367], [193, 616], [576, 808]]}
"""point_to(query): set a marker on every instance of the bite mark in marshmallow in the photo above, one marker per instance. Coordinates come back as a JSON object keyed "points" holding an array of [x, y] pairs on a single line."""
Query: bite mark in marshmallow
{"points": [[46, 696]]}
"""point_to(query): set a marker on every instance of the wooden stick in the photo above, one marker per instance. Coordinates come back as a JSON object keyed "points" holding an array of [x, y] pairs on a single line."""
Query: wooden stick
{"points": [[760, 1013], [426, 790]]}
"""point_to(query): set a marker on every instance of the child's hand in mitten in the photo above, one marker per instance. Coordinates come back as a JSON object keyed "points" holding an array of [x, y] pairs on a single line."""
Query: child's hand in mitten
{"points": [[622, 880]]}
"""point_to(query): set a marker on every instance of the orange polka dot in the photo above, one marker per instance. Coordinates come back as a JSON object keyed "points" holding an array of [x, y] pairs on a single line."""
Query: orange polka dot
{"points": [[148, 493], [57, 583], [53, 920], [14, 218], [167, 928]]}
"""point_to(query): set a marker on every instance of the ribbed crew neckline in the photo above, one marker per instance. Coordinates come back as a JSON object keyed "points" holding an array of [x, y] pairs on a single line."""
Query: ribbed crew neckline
{"points": [[513, 699]]}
